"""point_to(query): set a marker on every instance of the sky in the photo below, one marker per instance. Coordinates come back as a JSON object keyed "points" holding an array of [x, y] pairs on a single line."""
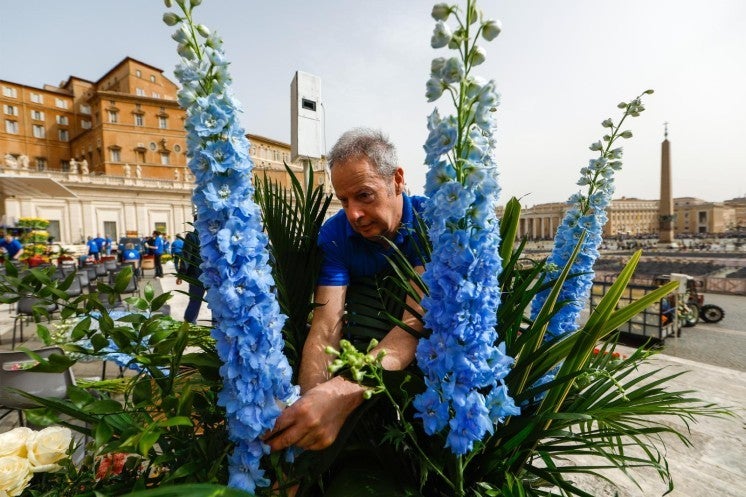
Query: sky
{"points": [[561, 67]]}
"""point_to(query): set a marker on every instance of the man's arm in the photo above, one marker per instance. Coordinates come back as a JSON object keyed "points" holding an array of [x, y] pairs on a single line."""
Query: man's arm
{"points": [[314, 421]]}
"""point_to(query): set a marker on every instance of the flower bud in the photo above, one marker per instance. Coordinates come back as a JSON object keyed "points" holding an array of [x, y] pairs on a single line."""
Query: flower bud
{"points": [[457, 39], [168, 3], [441, 11], [203, 30], [436, 66], [649, 92], [622, 105], [441, 36], [596, 146], [186, 51], [473, 13], [607, 123], [171, 19], [491, 29], [433, 89], [626, 134], [194, 3], [478, 56], [367, 394]]}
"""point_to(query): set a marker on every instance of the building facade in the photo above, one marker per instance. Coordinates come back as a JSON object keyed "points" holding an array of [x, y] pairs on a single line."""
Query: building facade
{"points": [[633, 217], [107, 156]]}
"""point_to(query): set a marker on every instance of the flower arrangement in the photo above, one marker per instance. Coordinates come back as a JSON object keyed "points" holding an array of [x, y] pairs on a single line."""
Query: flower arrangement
{"points": [[25, 453], [507, 384], [33, 223]]}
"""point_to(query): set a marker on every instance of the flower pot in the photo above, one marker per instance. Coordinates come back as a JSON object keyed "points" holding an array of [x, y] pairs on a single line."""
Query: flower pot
{"points": [[148, 262]]}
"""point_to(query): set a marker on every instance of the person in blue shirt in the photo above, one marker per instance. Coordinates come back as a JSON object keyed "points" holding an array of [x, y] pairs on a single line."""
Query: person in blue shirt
{"points": [[107, 244], [369, 182], [11, 247], [188, 268], [130, 255], [93, 248], [101, 242], [157, 248], [177, 246]]}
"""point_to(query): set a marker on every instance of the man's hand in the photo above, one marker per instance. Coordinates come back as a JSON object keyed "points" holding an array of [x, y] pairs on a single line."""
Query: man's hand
{"points": [[314, 421]]}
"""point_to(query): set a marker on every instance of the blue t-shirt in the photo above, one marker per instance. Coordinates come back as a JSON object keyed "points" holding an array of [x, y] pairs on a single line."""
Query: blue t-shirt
{"points": [[347, 254], [131, 255], [158, 245], [93, 247], [177, 246], [11, 247]]}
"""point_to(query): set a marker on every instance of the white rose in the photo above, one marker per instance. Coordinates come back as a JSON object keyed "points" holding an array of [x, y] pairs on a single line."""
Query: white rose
{"points": [[15, 473], [47, 447], [13, 442]]}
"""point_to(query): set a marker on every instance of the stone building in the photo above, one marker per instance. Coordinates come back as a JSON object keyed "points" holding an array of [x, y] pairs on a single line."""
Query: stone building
{"points": [[106, 156], [639, 217], [696, 216]]}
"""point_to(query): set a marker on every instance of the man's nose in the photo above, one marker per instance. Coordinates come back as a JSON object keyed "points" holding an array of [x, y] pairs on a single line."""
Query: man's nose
{"points": [[354, 211]]}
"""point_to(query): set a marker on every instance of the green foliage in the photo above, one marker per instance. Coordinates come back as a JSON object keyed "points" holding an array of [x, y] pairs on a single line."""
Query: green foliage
{"points": [[594, 406], [292, 218]]}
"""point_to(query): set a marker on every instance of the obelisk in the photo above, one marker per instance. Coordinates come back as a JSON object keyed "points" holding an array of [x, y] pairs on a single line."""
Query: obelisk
{"points": [[665, 204]]}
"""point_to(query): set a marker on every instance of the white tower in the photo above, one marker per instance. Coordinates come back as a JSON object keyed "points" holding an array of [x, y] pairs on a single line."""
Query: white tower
{"points": [[306, 119]]}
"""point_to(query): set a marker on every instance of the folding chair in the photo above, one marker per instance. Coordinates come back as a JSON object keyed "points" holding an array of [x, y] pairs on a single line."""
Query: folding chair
{"points": [[14, 374], [25, 311]]}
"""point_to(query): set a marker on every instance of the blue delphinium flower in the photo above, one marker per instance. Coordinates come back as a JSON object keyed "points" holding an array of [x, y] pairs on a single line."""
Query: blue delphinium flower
{"points": [[587, 215], [462, 363], [236, 273]]}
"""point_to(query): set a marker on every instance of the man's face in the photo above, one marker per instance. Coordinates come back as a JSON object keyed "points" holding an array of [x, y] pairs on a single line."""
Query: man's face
{"points": [[373, 205]]}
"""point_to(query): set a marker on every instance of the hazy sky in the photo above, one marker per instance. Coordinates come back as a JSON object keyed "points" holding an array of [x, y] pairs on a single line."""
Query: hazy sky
{"points": [[561, 68]]}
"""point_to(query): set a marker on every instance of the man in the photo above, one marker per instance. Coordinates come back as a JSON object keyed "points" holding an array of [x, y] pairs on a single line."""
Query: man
{"points": [[156, 246], [130, 255], [94, 248], [107, 244], [370, 185], [12, 248], [187, 268], [101, 242]]}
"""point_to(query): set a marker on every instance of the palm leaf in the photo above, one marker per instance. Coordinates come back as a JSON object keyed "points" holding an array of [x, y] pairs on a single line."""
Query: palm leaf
{"points": [[292, 219]]}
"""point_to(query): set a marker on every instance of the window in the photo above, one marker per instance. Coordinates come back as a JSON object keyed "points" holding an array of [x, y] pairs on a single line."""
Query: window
{"points": [[9, 92], [41, 163], [156, 94], [177, 148], [153, 146], [139, 120], [164, 158], [162, 122], [140, 155], [11, 110], [115, 155], [85, 124], [110, 229], [138, 73], [65, 167], [37, 98], [37, 115], [62, 104], [62, 120], [11, 127], [53, 229], [85, 109], [64, 135], [140, 92], [152, 78], [38, 131], [113, 116]]}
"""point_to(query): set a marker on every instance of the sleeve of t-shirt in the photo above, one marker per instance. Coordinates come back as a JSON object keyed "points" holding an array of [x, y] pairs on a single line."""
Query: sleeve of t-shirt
{"points": [[334, 271]]}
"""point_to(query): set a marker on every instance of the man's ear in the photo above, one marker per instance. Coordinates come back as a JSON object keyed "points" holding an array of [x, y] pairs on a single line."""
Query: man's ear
{"points": [[399, 181]]}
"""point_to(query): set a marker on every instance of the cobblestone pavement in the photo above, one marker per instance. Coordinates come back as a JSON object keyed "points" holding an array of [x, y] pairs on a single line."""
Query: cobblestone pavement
{"points": [[718, 344]]}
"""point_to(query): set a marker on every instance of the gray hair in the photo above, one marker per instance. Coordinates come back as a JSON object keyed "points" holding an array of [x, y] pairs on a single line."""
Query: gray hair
{"points": [[369, 144]]}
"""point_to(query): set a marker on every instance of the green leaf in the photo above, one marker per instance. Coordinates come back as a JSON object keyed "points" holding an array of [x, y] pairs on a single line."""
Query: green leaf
{"points": [[103, 433], [191, 490]]}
